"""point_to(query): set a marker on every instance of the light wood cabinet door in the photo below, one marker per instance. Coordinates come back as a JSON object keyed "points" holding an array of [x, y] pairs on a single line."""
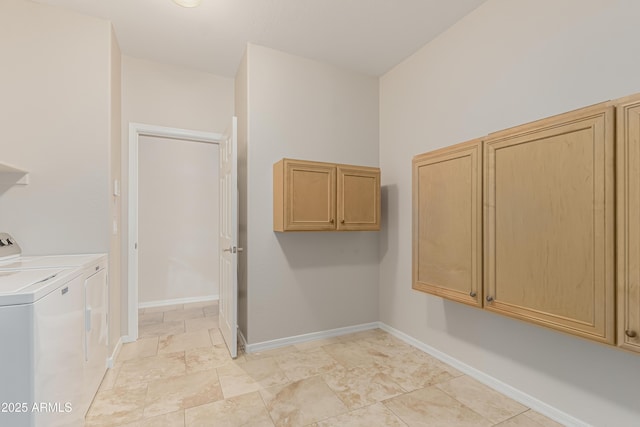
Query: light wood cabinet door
{"points": [[549, 230], [358, 198], [628, 204], [309, 196], [447, 223]]}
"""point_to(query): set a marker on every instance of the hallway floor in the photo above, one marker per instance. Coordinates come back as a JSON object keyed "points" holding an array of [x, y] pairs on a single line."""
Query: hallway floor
{"points": [[179, 374]]}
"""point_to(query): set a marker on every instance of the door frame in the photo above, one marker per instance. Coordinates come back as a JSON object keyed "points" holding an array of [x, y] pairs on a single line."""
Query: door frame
{"points": [[136, 130]]}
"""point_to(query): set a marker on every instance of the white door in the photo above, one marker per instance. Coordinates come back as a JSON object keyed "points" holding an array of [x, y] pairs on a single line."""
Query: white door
{"points": [[229, 237]]}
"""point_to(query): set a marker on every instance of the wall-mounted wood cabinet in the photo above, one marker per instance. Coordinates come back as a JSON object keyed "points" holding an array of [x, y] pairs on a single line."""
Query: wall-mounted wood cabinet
{"points": [[316, 196], [549, 223], [628, 223], [546, 251], [447, 222]]}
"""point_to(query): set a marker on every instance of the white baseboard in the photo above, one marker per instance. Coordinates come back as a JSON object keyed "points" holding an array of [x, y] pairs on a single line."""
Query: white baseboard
{"points": [[297, 339], [163, 303], [111, 360], [126, 339], [517, 395]]}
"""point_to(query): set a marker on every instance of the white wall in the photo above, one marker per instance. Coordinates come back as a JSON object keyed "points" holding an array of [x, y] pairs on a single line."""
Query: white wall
{"points": [[60, 120], [178, 227], [507, 63], [115, 174], [167, 95], [242, 113], [55, 121], [306, 282]]}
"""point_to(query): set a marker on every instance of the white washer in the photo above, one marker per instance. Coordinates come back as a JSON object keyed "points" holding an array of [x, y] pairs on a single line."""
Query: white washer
{"points": [[54, 325]]}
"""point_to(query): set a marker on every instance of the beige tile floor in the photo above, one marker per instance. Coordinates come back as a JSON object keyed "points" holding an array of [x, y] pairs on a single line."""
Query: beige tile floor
{"points": [[179, 374]]}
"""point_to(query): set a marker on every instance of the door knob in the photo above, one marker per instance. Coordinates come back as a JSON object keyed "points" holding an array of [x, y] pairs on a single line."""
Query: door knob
{"points": [[489, 298], [630, 333], [233, 249], [472, 294]]}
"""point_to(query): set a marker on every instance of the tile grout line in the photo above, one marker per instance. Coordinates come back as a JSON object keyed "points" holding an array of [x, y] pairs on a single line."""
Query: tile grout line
{"points": [[471, 409], [266, 408], [334, 392], [392, 411]]}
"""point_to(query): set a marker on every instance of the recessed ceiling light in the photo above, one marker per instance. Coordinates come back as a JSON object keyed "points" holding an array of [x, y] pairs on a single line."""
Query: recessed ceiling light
{"points": [[188, 3]]}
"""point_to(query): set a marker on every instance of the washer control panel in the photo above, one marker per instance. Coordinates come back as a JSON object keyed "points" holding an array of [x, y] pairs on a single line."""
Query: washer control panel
{"points": [[8, 246]]}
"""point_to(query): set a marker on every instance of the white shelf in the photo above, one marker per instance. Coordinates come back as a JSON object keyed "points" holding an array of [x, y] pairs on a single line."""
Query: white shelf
{"points": [[10, 175]]}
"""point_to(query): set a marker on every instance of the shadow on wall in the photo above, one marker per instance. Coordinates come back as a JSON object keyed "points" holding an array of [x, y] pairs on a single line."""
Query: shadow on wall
{"points": [[313, 249], [583, 364], [388, 200], [331, 281], [304, 249], [4, 186]]}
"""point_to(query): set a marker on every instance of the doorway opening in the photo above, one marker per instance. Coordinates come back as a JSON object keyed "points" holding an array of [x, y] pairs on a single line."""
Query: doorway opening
{"points": [[177, 222], [145, 134]]}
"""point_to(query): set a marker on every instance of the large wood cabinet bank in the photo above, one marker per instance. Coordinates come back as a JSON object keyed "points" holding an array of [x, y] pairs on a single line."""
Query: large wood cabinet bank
{"points": [[559, 204]]}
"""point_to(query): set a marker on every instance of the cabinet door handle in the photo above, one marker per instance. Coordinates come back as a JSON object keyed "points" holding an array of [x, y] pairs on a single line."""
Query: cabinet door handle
{"points": [[630, 333], [489, 298], [332, 221], [87, 319], [472, 294], [342, 221]]}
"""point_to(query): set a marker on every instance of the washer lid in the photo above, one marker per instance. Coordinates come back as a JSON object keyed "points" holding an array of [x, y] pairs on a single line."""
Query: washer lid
{"points": [[27, 286], [51, 261]]}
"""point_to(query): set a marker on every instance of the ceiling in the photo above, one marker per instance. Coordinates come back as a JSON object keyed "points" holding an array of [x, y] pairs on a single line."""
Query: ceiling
{"points": [[369, 36]]}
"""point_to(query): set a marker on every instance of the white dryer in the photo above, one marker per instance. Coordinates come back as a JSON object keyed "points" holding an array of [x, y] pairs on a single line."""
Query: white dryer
{"points": [[63, 366]]}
